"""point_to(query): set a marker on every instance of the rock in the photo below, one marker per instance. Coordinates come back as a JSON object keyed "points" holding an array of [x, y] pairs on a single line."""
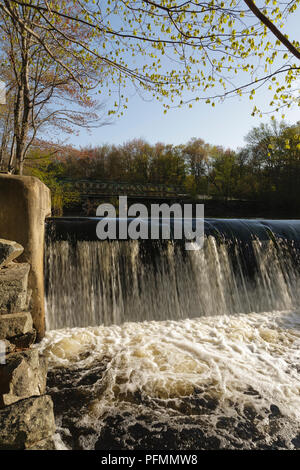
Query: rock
{"points": [[22, 376], [27, 422], [9, 347], [9, 251], [275, 411], [15, 324], [46, 444], [24, 341], [24, 203], [5, 348], [13, 288]]}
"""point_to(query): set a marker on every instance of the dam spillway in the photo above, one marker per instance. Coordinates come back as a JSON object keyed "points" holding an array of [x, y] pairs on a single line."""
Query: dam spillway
{"points": [[151, 346], [245, 266]]}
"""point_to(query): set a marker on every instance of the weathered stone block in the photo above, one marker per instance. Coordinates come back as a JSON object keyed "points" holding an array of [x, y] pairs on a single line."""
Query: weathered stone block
{"points": [[22, 376], [9, 251], [24, 203], [15, 324], [27, 422], [46, 444], [13, 288]]}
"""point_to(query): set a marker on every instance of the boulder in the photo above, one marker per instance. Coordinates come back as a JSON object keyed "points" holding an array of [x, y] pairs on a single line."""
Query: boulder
{"points": [[27, 422], [22, 376], [9, 251], [15, 324], [13, 288]]}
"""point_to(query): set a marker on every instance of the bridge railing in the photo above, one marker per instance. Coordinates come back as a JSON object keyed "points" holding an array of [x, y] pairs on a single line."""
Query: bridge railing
{"points": [[112, 188]]}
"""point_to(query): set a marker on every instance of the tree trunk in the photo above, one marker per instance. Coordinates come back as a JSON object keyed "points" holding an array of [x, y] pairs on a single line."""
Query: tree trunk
{"points": [[12, 156], [24, 110], [4, 143]]}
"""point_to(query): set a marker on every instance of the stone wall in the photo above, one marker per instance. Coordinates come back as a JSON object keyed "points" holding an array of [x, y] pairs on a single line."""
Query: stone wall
{"points": [[24, 203], [26, 412]]}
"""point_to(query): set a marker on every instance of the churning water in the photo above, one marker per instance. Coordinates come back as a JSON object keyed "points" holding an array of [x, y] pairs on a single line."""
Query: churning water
{"points": [[154, 347]]}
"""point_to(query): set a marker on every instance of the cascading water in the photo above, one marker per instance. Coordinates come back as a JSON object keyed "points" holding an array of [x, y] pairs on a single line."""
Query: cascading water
{"points": [[92, 283], [155, 347]]}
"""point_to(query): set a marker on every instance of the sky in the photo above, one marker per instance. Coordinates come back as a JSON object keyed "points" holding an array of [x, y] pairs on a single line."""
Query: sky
{"points": [[226, 124]]}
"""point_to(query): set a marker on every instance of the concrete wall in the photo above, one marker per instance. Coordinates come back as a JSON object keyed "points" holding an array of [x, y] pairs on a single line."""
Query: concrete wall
{"points": [[24, 203]]}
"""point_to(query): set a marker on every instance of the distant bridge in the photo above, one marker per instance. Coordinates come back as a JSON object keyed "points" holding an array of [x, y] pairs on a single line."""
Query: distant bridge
{"points": [[95, 189]]}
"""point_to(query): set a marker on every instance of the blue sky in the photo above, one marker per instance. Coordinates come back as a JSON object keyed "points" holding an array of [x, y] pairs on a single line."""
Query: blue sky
{"points": [[226, 124]]}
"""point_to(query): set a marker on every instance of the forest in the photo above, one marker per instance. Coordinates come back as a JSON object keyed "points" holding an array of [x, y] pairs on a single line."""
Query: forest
{"points": [[66, 66], [265, 171]]}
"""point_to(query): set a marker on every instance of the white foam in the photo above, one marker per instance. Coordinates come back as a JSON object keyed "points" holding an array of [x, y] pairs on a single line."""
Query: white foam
{"points": [[222, 355]]}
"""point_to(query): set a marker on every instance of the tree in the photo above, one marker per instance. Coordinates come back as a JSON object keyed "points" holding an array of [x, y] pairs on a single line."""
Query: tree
{"points": [[40, 92], [167, 165], [212, 49], [274, 152], [6, 128], [196, 153], [222, 176], [40, 164], [266, 170], [178, 51]]}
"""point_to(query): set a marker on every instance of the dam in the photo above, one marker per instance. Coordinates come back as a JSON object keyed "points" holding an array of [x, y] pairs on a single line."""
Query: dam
{"points": [[245, 266], [155, 347]]}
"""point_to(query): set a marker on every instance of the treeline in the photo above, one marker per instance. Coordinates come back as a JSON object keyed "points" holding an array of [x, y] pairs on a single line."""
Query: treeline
{"points": [[266, 169]]}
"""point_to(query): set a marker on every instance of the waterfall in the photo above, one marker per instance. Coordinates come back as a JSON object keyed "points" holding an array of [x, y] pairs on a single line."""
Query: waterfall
{"points": [[244, 266], [151, 346]]}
